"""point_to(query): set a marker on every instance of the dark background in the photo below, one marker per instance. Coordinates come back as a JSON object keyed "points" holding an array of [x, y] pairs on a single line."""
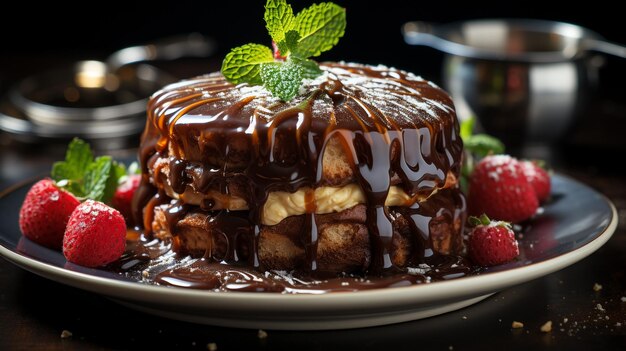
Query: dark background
{"points": [[94, 29], [54, 34]]}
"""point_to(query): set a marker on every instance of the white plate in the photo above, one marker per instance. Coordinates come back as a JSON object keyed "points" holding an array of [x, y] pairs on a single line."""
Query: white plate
{"points": [[573, 225]]}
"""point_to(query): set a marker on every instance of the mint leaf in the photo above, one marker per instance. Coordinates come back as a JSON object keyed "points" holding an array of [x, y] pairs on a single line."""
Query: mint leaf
{"points": [[320, 27], [278, 19], [117, 173], [77, 158], [289, 44], [467, 128], [68, 174], [476, 146], [85, 177], [480, 144], [310, 68], [119, 170], [243, 63], [483, 145], [282, 79], [74, 186], [96, 178]]}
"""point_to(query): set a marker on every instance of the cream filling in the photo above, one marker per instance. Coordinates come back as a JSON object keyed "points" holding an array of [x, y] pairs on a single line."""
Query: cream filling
{"points": [[281, 204]]}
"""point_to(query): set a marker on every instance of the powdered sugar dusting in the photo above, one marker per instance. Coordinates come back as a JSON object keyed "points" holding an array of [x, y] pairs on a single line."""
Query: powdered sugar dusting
{"points": [[498, 164], [372, 94], [422, 268]]}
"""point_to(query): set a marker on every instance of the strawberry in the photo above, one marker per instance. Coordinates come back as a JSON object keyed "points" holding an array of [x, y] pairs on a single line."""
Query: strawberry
{"points": [[95, 235], [498, 188], [123, 196], [45, 212], [491, 243], [538, 178]]}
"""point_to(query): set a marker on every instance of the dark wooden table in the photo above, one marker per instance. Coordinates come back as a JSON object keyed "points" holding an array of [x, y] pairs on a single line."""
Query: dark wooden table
{"points": [[34, 311]]}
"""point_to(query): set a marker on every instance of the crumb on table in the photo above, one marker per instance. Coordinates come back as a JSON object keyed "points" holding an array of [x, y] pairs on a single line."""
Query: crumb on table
{"points": [[517, 325]]}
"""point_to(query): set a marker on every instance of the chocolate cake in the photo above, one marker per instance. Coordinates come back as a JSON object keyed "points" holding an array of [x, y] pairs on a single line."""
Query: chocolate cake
{"points": [[357, 174]]}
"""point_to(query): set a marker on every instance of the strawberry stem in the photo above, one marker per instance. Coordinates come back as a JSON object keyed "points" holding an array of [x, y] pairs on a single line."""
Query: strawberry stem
{"points": [[476, 221]]}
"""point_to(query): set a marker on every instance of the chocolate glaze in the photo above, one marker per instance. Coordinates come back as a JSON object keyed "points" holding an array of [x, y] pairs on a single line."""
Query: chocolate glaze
{"points": [[392, 124]]}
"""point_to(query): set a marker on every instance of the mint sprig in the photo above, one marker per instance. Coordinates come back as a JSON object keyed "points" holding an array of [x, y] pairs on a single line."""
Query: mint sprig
{"points": [[476, 146], [85, 176], [483, 145], [298, 37], [480, 145]]}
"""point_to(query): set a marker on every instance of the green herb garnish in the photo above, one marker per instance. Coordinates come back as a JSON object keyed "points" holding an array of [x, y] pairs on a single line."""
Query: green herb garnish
{"points": [[297, 37], [483, 145], [480, 145], [476, 146], [85, 176]]}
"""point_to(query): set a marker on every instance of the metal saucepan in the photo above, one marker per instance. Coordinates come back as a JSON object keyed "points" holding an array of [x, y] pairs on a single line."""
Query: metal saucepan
{"points": [[524, 80], [94, 99]]}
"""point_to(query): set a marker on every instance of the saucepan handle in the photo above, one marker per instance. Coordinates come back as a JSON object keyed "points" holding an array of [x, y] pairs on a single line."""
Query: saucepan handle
{"points": [[419, 33], [171, 48], [605, 47]]}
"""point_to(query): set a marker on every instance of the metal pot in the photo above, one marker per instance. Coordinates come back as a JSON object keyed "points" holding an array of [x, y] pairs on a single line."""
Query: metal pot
{"points": [[524, 80], [95, 100]]}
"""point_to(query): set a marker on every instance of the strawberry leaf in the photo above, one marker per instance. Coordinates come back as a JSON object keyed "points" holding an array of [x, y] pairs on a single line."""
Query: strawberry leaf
{"points": [[484, 219], [481, 220]]}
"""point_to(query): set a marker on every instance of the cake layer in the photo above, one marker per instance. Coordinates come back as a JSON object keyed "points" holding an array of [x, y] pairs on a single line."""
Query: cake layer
{"points": [[279, 204], [343, 243]]}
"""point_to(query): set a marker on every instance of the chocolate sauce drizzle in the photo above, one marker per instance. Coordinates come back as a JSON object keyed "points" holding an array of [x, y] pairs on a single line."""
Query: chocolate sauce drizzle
{"points": [[154, 262], [397, 129]]}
